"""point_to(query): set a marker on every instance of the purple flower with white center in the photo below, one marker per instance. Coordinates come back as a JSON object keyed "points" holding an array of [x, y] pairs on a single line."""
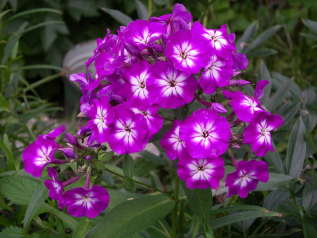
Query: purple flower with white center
{"points": [[217, 73], [219, 40], [54, 186], [88, 202], [188, 52], [172, 144], [139, 78], [246, 177], [142, 33], [100, 116], [258, 132], [153, 120], [171, 87], [205, 134], [201, 173], [129, 132], [41, 152], [244, 106]]}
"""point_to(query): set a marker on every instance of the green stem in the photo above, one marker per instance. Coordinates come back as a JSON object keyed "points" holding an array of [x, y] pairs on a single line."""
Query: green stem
{"points": [[135, 181], [149, 7], [175, 212]]}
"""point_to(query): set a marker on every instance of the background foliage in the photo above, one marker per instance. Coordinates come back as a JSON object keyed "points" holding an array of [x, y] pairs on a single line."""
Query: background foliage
{"points": [[280, 39]]}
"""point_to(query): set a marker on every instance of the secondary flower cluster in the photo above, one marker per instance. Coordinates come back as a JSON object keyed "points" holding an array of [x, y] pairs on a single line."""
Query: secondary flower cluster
{"points": [[80, 201], [151, 67]]}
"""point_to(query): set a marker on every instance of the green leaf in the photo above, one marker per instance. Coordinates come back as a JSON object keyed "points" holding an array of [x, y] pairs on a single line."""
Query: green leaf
{"points": [[120, 196], [33, 11], [262, 38], [68, 220], [296, 150], [4, 104], [35, 205], [82, 228], [275, 159], [12, 42], [6, 147], [200, 201], [74, 60], [277, 99], [117, 15], [79, 8], [309, 228], [18, 189], [274, 182], [132, 216], [247, 35], [312, 25], [51, 31], [241, 216], [12, 232], [262, 52], [141, 10]]}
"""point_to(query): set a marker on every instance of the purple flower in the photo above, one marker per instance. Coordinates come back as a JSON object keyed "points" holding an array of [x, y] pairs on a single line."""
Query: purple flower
{"points": [[205, 134], [201, 173], [41, 152], [86, 202], [246, 177], [217, 73], [142, 33], [54, 186], [180, 19], [171, 142], [129, 132], [100, 116], [189, 52], [171, 87], [258, 132], [139, 78], [153, 120], [107, 58], [244, 106], [220, 41]]}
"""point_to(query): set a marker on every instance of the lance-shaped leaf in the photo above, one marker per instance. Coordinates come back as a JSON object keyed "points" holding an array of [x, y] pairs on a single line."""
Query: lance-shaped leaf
{"points": [[117, 15], [132, 216]]}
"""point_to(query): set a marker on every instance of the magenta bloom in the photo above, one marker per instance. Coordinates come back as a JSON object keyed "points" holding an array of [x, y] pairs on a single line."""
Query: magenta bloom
{"points": [[86, 202], [244, 106], [205, 134], [220, 41], [41, 152], [172, 144], [217, 73], [100, 116], [180, 19], [201, 173], [246, 177], [153, 120], [142, 33], [107, 58], [188, 52], [139, 78], [171, 87], [54, 186], [129, 132], [258, 132]]}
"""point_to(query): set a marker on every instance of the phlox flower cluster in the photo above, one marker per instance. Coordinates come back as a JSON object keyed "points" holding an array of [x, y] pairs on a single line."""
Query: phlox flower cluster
{"points": [[165, 64]]}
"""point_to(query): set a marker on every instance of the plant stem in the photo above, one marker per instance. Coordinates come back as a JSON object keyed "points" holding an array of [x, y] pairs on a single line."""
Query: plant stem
{"points": [[175, 212], [135, 181]]}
